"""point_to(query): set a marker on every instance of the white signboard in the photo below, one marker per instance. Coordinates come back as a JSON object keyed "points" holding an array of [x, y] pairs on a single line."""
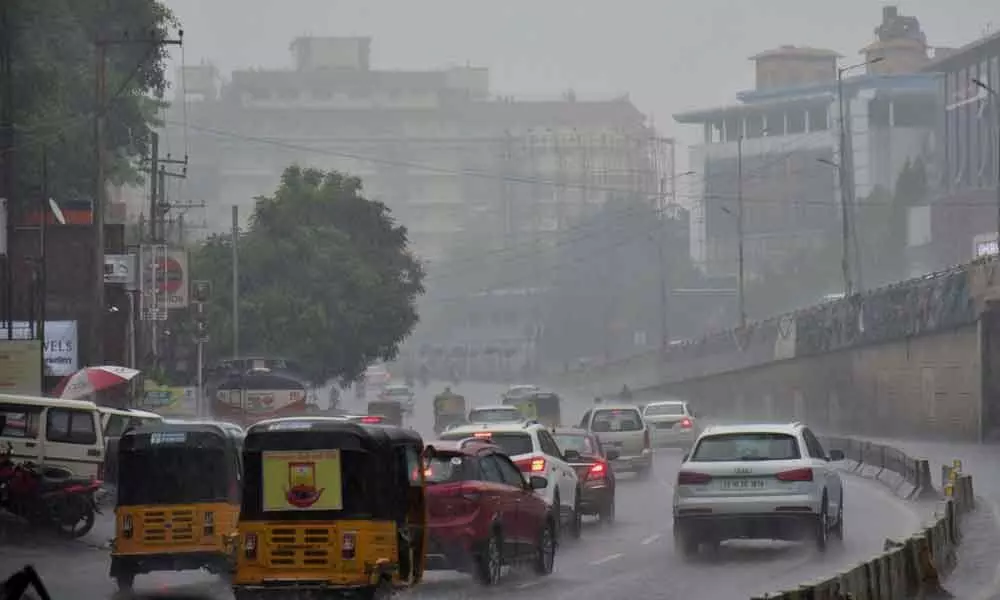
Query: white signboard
{"points": [[60, 346], [120, 269], [164, 282]]}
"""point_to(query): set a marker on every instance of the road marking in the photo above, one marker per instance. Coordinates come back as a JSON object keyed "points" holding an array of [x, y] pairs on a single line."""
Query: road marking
{"points": [[607, 559], [529, 584], [650, 539]]}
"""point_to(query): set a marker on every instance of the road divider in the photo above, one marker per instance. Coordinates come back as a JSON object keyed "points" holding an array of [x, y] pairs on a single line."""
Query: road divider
{"points": [[908, 568]]}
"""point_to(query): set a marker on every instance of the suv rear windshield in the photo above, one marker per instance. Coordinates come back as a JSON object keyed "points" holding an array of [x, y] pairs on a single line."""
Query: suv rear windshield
{"points": [[444, 468], [580, 443], [746, 446], [614, 420], [660, 410], [494, 415], [512, 444]]}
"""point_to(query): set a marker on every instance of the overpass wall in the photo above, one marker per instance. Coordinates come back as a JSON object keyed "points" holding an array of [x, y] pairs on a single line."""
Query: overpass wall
{"points": [[902, 360]]}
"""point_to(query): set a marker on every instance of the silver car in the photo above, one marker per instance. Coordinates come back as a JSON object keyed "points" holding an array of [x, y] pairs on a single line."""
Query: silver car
{"points": [[672, 423], [621, 426]]}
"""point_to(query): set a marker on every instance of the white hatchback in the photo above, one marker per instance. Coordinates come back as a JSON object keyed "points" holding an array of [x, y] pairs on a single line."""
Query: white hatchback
{"points": [[757, 482]]}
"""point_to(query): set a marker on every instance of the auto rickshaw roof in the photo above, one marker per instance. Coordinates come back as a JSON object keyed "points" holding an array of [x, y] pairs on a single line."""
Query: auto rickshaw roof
{"points": [[131, 436], [273, 433]]}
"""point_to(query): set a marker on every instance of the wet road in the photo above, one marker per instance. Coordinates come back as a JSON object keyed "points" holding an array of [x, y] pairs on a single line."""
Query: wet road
{"points": [[631, 559]]}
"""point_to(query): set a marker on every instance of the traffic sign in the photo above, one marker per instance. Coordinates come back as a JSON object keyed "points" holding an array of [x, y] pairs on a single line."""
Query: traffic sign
{"points": [[169, 275]]}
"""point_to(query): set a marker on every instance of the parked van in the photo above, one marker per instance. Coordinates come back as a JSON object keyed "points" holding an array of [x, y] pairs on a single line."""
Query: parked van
{"points": [[53, 432], [114, 421]]}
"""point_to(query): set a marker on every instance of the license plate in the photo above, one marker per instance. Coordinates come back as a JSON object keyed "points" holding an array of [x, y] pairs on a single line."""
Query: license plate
{"points": [[744, 484], [615, 444]]}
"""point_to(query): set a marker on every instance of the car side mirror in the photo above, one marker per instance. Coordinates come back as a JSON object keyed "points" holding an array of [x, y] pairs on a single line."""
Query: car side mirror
{"points": [[836, 455], [571, 455], [612, 454], [538, 483]]}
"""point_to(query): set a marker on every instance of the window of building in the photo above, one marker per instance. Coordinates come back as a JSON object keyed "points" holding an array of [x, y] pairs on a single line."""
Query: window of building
{"points": [[817, 116], [796, 121]]}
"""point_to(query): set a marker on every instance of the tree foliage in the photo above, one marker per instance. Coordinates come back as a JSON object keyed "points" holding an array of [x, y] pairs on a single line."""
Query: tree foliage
{"points": [[54, 65], [325, 278], [882, 225], [606, 281]]}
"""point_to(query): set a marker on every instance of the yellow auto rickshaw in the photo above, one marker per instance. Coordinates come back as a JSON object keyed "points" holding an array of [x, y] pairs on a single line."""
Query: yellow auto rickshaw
{"points": [[330, 506], [391, 411], [449, 409], [178, 488], [543, 407]]}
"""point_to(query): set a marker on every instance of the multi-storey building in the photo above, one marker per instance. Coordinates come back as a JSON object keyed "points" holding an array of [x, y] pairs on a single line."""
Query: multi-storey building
{"points": [[787, 133], [462, 169], [961, 220]]}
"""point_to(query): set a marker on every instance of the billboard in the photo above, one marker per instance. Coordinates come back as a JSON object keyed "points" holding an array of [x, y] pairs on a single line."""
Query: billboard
{"points": [[60, 345], [21, 367], [302, 480], [164, 280]]}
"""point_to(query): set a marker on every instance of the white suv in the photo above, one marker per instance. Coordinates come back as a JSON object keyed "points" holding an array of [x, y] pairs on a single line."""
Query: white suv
{"points": [[757, 482], [535, 452]]}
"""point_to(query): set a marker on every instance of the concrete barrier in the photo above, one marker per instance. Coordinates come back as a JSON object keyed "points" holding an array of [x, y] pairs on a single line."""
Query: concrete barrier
{"points": [[910, 568]]}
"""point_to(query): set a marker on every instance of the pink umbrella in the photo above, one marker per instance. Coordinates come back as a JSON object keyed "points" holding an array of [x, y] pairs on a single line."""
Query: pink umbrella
{"points": [[90, 380]]}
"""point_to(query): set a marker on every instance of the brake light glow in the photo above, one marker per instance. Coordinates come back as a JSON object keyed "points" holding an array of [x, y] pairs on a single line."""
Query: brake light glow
{"points": [[805, 474], [686, 423], [250, 546], [371, 420], [692, 478], [482, 434], [537, 465], [597, 471], [349, 545]]}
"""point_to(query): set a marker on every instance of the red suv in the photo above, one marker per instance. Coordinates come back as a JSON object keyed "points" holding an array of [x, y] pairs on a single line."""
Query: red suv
{"points": [[484, 514]]}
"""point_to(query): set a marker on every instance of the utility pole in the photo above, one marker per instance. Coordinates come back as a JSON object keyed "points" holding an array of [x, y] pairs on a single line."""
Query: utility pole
{"points": [[7, 156], [739, 232], [236, 282], [100, 196], [154, 183], [662, 268], [43, 211]]}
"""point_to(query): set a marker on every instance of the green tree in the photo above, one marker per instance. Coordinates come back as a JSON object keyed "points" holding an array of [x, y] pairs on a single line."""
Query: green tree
{"points": [[326, 278], [882, 226], [802, 279], [53, 64]]}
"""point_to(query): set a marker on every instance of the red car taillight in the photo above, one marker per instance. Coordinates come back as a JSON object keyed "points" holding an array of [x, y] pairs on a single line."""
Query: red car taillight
{"points": [[371, 420], [692, 478], [686, 424], [796, 475]]}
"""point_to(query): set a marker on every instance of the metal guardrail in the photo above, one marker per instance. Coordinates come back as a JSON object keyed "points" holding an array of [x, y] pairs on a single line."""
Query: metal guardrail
{"points": [[906, 569]]}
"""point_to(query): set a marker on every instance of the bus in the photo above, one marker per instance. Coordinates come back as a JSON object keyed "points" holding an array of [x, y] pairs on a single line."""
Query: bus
{"points": [[258, 393]]}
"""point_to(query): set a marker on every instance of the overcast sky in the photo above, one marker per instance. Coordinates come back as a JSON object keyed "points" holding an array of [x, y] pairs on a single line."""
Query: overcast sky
{"points": [[669, 55]]}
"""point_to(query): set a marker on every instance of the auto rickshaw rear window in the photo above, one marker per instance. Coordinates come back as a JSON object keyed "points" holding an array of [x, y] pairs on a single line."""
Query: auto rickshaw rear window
{"points": [[173, 474]]}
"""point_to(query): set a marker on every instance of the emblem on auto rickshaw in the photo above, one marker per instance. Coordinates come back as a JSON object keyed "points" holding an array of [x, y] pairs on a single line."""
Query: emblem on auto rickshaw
{"points": [[301, 491]]}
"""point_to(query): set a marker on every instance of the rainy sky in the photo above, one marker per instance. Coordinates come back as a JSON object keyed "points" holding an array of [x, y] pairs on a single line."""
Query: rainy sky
{"points": [[669, 55]]}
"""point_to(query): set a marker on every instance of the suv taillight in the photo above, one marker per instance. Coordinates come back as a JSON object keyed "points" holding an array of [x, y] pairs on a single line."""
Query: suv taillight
{"points": [[531, 465], [686, 423], [692, 478], [597, 471], [805, 474]]}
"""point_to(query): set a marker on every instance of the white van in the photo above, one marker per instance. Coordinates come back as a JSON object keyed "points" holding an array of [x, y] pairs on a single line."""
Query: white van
{"points": [[114, 421], [53, 432]]}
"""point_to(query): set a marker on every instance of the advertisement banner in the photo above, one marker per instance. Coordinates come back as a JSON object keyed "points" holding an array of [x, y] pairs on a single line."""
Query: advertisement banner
{"points": [[21, 367], [302, 480], [170, 401], [60, 345]]}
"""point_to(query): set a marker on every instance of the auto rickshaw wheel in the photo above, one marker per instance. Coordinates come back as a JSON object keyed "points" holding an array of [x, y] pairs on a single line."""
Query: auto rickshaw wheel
{"points": [[125, 582]]}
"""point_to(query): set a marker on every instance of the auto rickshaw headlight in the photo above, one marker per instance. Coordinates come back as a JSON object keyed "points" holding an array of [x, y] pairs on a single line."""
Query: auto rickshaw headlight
{"points": [[127, 526], [250, 546], [348, 545], [209, 528]]}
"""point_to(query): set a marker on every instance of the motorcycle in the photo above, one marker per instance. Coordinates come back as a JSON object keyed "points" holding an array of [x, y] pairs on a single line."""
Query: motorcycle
{"points": [[48, 496]]}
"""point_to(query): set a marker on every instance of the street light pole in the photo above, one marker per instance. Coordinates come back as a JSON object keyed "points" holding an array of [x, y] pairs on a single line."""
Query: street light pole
{"points": [[739, 231], [845, 265], [995, 95], [661, 256]]}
